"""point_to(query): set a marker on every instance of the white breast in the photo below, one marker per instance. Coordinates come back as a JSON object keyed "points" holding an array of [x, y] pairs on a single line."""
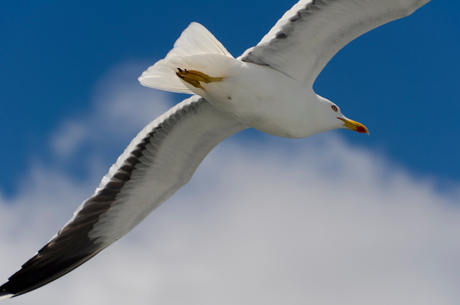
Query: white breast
{"points": [[265, 99]]}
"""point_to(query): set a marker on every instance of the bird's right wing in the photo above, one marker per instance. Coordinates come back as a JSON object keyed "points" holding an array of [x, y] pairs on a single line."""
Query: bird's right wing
{"points": [[161, 159]]}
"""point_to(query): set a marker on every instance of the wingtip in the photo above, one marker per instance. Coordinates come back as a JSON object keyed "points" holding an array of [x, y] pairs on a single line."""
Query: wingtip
{"points": [[4, 295]]}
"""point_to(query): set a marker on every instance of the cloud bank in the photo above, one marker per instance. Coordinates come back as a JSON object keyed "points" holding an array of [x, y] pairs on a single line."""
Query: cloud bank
{"points": [[313, 221]]}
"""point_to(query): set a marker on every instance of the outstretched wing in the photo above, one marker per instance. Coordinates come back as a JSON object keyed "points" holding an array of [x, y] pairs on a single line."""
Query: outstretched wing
{"points": [[160, 160], [308, 35]]}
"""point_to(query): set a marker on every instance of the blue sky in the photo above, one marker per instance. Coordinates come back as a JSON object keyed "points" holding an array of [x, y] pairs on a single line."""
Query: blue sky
{"points": [[338, 218], [400, 80]]}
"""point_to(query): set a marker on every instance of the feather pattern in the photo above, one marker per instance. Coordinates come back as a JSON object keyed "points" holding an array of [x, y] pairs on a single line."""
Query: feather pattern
{"points": [[158, 161], [308, 35]]}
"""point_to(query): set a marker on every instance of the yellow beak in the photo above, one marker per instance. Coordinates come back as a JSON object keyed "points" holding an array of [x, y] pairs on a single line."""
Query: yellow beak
{"points": [[352, 125]]}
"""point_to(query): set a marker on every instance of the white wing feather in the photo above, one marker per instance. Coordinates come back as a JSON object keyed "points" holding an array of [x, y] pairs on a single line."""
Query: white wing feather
{"points": [[160, 160], [308, 35]]}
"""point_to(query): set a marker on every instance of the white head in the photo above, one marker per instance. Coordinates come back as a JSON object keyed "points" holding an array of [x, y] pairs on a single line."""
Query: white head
{"points": [[330, 117]]}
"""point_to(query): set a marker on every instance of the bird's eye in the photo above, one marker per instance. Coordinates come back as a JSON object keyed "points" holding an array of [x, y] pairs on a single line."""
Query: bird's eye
{"points": [[334, 107]]}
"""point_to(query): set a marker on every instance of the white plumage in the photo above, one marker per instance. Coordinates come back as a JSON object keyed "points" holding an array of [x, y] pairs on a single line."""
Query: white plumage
{"points": [[269, 88]]}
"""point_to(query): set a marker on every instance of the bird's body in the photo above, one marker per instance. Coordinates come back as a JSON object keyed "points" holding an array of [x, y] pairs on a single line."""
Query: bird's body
{"points": [[262, 98], [256, 96], [268, 88]]}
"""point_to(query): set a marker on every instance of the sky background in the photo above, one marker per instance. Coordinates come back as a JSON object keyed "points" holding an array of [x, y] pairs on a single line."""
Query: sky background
{"points": [[337, 218]]}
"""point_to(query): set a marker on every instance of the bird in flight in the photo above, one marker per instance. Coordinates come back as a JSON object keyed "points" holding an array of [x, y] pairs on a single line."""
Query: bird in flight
{"points": [[269, 88]]}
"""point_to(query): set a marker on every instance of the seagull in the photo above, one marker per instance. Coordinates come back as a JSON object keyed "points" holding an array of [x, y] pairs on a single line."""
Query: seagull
{"points": [[268, 88]]}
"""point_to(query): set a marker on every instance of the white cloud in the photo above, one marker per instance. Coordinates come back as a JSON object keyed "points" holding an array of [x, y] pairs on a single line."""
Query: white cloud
{"points": [[121, 108], [311, 221]]}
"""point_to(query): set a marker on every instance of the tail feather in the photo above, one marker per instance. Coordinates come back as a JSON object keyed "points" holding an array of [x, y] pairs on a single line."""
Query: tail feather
{"points": [[194, 40]]}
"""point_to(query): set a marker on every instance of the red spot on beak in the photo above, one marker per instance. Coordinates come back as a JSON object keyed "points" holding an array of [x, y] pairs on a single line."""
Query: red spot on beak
{"points": [[361, 129]]}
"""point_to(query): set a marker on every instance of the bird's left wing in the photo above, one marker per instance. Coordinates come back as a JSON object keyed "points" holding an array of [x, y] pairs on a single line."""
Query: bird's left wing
{"points": [[308, 35], [160, 160]]}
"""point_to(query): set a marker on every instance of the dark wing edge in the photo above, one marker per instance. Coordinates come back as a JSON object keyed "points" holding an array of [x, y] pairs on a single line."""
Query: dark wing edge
{"points": [[182, 137]]}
